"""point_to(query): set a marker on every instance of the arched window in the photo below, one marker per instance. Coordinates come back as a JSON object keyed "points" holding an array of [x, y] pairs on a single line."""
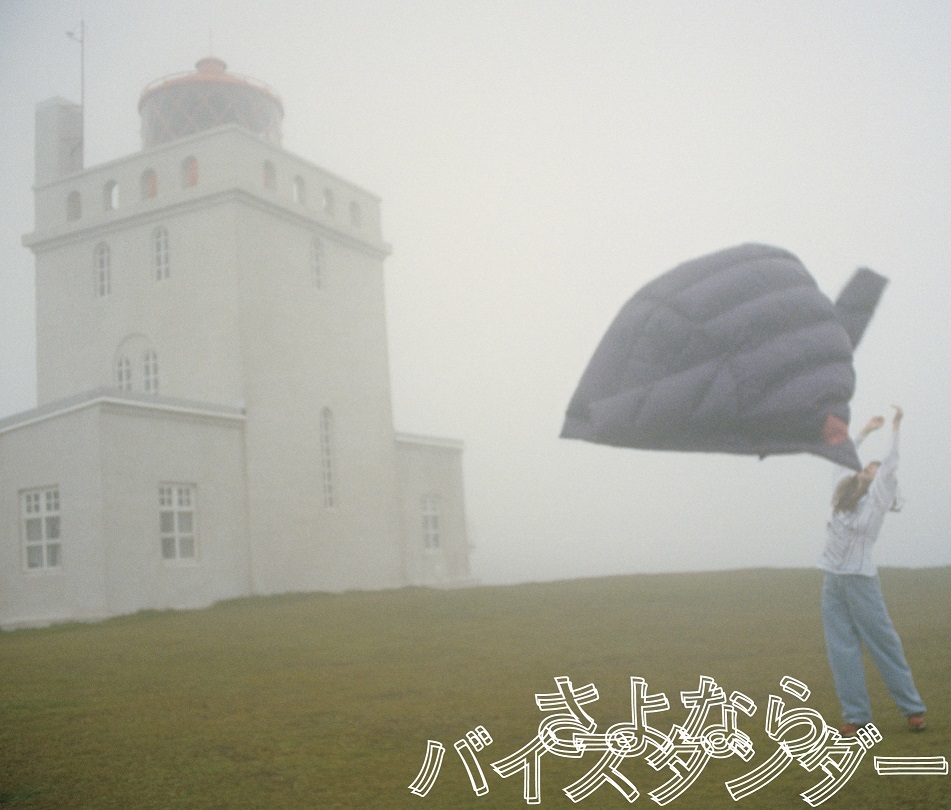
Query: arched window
{"points": [[74, 206], [316, 262], [110, 196], [328, 201], [189, 172], [124, 374], [356, 215], [102, 270], [269, 175], [160, 259], [150, 378], [135, 364], [299, 190], [149, 184], [327, 459]]}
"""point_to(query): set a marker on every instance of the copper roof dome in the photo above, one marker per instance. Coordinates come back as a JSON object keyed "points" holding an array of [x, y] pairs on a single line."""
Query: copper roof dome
{"points": [[185, 103]]}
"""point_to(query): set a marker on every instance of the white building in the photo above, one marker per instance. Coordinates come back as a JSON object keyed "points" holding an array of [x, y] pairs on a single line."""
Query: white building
{"points": [[214, 414]]}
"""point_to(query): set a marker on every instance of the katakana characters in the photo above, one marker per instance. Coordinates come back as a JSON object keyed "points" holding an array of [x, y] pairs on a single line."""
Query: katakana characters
{"points": [[467, 747], [621, 741], [710, 731], [570, 717], [475, 740], [698, 741], [911, 766], [426, 778], [819, 747]]}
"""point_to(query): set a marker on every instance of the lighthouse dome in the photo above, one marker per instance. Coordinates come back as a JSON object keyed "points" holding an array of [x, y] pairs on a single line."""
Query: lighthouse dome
{"points": [[210, 96]]}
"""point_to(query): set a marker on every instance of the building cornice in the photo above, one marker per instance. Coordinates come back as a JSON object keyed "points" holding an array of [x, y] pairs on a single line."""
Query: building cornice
{"points": [[220, 185], [66, 235], [430, 441], [125, 400], [181, 144]]}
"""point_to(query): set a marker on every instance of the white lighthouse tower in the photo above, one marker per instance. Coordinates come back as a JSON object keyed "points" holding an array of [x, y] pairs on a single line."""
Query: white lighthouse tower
{"points": [[214, 411]]}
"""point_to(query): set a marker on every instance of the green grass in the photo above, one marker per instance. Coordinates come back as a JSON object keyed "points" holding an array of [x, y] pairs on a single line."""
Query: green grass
{"points": [[328, 700]]}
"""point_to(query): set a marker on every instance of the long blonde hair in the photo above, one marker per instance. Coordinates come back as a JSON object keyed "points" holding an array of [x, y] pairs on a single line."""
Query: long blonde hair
{"points": [[848, 493]]}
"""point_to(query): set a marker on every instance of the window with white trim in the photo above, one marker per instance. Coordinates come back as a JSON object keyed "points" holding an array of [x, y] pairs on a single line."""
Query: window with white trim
{"points": [[177, 523], [316, 262], [327, 459], [150, 378], [110, 196], [429, 506], [102, 262], [41, 528], [160, 260], [124, 374]]}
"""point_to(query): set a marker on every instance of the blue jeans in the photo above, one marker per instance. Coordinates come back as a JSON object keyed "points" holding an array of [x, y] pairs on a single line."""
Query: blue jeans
{"points": [[853, 613]]}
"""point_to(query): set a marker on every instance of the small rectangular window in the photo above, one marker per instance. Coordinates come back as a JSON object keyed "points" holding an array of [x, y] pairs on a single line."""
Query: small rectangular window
{"points": [[177, 522], [430, 519], [316, 263], [328, 458], [160, 254], [150, 378], [124, 374], [41, 529], [102, 259]]}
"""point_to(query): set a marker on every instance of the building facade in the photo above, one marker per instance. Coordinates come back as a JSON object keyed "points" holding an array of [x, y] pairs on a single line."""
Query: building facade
{"points": [[214, 414]]}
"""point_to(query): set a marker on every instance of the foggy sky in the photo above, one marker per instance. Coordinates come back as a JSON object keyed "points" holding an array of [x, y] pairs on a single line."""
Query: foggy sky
{"points": [[538, 162]]}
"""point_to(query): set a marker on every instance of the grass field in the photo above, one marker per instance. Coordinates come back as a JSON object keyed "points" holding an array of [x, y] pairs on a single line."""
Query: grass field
{"points": [[329, 700]]}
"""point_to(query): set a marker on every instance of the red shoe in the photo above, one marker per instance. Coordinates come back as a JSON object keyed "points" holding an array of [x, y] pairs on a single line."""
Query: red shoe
{"points": [[917, 722], [851, 729]]}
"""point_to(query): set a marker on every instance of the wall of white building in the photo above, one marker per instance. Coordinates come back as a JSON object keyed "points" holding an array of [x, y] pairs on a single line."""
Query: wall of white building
{"points": [[432, 511], [106, 458], [60, 453]]}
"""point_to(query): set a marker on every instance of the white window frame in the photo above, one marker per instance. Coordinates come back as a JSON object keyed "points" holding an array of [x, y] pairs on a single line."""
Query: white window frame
{"points": [[124, 374], [110, 196], [160, 255], [102, 264], [41, 527], [317, 262], [430, 522], [178, 523], [150, 372], [328, 472]]}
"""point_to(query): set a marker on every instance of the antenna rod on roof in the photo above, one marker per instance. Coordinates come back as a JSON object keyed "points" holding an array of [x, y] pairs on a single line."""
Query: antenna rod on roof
{"points": [[81, 39]]}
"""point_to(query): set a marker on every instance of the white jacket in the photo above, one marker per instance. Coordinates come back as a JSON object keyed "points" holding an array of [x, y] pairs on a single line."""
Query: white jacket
{"points": [[851, 535]]}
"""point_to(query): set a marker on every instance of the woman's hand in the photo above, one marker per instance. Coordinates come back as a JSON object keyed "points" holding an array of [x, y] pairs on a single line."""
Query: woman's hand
{"points": [[896, 419], [873, 424]]}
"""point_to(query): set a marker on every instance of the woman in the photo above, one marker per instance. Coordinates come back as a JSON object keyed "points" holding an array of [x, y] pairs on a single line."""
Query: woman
{"points": [[853, 610]]}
